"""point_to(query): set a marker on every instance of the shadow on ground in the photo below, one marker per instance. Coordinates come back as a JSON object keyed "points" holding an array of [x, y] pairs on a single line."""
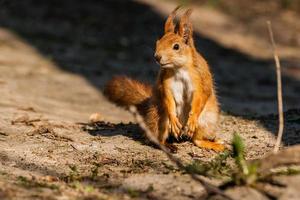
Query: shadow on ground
{"points": [[99, 39], [107, 129]]}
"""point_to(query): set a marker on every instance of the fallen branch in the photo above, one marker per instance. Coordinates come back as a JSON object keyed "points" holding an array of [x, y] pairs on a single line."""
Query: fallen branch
{"points": [[210, 189], [286, 157], [279, 89]]}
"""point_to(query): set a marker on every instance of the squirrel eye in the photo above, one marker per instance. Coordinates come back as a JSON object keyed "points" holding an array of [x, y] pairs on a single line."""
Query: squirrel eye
{"points": [[176, 46]]}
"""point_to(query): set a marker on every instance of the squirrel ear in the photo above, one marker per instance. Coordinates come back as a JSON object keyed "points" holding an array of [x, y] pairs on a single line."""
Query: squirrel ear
{"points": [[185, 27], [169, 25]]}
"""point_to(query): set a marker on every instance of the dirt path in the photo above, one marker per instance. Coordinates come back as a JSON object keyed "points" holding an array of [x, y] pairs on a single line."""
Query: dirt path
{"points": [[54, 60]]}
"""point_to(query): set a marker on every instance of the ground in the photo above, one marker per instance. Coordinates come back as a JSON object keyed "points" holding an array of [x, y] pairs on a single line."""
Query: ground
{"points": [[55, 58]]}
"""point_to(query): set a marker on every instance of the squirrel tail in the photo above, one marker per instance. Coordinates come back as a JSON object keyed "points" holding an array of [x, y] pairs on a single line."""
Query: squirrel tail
{"points": [[126, 92]]}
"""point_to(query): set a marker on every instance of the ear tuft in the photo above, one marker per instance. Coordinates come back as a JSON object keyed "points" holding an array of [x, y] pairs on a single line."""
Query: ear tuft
{"points": [[169, 25], [188, 12], [185, 27]]}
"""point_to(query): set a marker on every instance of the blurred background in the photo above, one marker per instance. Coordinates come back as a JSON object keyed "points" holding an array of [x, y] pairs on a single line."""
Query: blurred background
{"points": [[95, 40]]}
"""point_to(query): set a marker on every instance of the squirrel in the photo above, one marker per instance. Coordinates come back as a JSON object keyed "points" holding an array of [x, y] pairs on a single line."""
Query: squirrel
{"points": [[183, 100]]}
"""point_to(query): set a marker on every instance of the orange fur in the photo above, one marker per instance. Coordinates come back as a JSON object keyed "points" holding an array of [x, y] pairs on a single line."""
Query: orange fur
{"points": [[120, 90], [183, 100]]}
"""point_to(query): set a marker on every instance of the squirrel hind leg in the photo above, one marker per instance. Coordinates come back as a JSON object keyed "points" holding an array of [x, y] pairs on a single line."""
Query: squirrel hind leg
{"points": [[207, 124], [204, 140], [206, 144]]}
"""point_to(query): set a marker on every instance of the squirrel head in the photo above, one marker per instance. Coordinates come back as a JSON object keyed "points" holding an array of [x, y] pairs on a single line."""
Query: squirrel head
{"points": [[175, 48]]}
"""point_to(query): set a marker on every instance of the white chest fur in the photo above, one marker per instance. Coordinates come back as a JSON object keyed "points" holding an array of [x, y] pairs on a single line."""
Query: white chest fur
{"points": [[182, 89]]}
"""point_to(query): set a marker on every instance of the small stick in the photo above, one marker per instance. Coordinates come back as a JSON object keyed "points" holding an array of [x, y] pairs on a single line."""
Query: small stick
{"points": [[73, 147], [211, 189], [279, 89]]}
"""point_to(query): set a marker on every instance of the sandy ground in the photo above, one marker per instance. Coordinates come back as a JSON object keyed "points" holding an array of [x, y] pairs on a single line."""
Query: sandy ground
{"points": [[54, 60]]}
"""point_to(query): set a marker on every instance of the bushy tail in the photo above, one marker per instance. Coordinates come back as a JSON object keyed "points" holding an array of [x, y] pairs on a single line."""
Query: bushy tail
{"points": [[126, 92]]}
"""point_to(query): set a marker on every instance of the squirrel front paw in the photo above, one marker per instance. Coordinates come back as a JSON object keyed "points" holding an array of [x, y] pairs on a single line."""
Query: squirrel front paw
{"points": [[191, 126], [175, 126]]}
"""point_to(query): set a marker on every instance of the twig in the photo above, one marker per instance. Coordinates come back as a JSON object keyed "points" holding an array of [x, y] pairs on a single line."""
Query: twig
{"points": [[4, 134], [279, 89], [211, 189], [73, 147]]}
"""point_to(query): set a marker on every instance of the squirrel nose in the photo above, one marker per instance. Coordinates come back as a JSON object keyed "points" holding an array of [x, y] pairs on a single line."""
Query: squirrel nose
{"points": [[157, 57]]}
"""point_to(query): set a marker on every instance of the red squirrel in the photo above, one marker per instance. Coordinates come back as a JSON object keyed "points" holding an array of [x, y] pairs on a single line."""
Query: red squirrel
{"points": [[183, 100]]}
